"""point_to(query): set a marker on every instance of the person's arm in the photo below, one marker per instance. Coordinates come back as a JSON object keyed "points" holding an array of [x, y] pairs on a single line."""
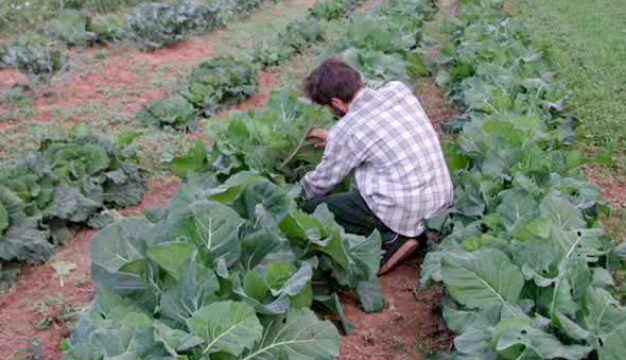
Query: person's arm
{"points": [[340, 157]]}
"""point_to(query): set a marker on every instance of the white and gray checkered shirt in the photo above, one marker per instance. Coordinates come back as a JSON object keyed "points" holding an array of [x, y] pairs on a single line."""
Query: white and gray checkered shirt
{"points": [[400, 170]]}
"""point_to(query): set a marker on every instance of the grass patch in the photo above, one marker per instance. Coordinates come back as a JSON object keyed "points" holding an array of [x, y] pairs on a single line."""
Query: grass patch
{"points": [[263, 25], [587, 46]]}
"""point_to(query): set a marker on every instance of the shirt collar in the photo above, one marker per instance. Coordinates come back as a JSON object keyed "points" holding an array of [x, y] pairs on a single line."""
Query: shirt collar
{"points": [[357, 98]]}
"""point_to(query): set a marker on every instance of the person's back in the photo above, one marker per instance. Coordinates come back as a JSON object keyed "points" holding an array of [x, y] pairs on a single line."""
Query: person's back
{"points": [[403, 176], [387, 139]]}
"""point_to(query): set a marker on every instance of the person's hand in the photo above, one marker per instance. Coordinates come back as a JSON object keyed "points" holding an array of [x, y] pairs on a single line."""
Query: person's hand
{"points": [[318, 134]]}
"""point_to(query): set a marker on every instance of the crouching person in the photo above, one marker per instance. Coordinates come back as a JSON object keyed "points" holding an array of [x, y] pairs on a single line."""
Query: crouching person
{"points": [[386, 138]]}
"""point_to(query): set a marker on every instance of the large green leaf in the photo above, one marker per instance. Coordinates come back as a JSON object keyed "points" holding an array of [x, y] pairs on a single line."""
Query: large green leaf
{"points": [[4, 218], [475, 330], [482, 278], [516, 207], [604, 318], [263, 201], [298, 336], [124, 194], [370, 295], [283, 278], [612, 347], [194, 159], [230, 327], [210, 226], [196, 288], [539, 344], [324, 236], [70, 204], [171, 256], [175, 340], [364, 254], [119, 244], [24, 240]]}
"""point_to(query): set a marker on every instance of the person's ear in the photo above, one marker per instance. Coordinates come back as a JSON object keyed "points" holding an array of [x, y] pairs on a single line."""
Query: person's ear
{"points": [[339, 104]]}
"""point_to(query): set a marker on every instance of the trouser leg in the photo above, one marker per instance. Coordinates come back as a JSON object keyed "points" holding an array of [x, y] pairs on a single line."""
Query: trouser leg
{"points": [[352, 213]]}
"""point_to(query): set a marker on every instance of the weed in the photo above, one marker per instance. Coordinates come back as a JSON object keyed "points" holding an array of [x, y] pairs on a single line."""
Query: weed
{"points": [[49, 301], [421, 346], [31, 351], [397, 343], [80, 280]]}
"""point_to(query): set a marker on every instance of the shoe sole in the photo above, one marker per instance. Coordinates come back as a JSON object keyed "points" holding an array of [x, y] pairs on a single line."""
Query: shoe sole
{"points": [[402, 253]]}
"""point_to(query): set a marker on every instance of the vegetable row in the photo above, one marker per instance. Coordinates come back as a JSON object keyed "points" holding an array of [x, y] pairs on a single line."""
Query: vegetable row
{"points": [[150, 25], [227, 79], [526, 262]]}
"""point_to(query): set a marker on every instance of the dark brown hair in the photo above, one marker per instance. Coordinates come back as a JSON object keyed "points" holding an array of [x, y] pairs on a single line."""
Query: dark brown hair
{"points": [[333, 78]]}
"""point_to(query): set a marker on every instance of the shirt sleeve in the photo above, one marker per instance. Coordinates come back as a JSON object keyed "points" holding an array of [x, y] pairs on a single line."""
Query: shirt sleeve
{"points": [[340, 157]]}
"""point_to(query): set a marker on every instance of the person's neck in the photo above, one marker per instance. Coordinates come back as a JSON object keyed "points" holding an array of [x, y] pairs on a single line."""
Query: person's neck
{"points": [[356, 96]]}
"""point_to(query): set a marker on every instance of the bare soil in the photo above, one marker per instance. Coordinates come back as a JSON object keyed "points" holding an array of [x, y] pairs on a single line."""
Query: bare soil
{"points": [[408, 324], [613, 189]]}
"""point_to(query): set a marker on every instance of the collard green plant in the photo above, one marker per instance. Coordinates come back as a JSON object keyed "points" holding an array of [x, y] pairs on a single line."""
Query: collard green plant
{"points": [[301, 34], [39, 64], [268, 139], [68, 181], [223, 269], [174, 112], [154, 25], [71, 28], [5, 57], [219, 81], [334, 9], [271, 54], [107, 28], [30, 38]]}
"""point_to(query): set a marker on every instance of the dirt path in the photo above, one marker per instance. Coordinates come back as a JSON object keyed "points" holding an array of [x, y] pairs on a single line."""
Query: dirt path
{"points": [[408, 325]]}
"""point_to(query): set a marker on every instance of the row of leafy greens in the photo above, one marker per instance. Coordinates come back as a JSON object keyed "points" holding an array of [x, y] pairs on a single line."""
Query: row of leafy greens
{"points": [[69, 181], [226, 79], [151, 25], [525, 258], [231, 268]]}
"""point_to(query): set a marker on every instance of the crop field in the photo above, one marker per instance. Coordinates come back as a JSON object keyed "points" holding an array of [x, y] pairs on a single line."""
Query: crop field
{"points": [[150, 154]]}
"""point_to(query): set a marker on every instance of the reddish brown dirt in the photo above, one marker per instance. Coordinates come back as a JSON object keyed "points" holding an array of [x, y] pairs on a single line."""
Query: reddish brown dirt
{"points": [[409, 321], [437, 107], [18, 314], [612, 189]]}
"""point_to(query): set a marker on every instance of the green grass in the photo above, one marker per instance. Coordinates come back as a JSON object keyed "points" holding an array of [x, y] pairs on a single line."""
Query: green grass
{"points": [[587, 43], [265, 27]]}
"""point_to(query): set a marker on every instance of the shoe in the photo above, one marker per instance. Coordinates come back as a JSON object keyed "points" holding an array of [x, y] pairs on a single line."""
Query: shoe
{"points": [[397, 250]]}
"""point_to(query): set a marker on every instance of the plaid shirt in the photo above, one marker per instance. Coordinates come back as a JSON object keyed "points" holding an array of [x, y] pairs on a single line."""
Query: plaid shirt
{"points": [[399, 167]]}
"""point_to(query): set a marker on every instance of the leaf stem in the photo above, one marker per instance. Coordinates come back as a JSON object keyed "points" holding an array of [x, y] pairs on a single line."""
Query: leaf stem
{"points": [[295, 151]]}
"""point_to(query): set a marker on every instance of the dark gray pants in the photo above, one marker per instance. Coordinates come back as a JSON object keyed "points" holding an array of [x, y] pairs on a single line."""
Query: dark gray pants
{"points": [[352, 212]]}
